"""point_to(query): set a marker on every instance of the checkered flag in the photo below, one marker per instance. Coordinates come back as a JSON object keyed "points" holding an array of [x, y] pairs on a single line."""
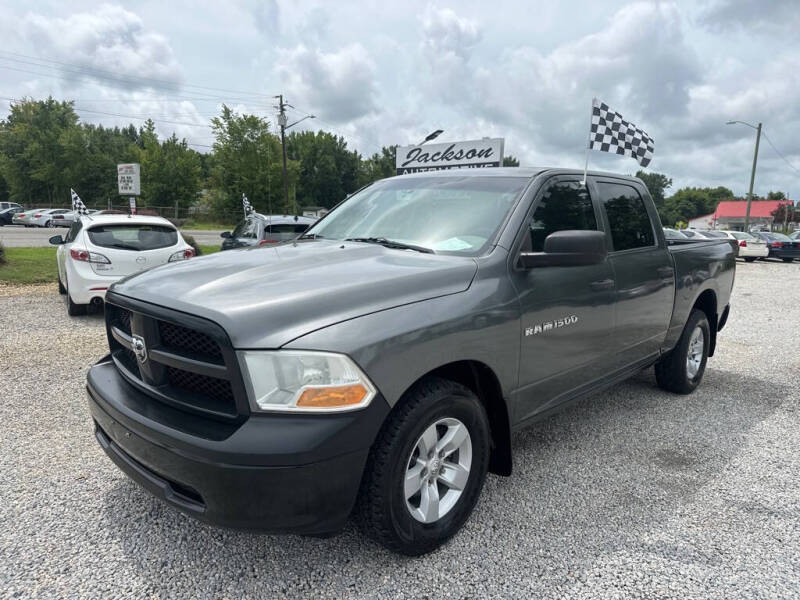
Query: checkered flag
{"points": [[611, 133], [77, 204], [248, 208]]}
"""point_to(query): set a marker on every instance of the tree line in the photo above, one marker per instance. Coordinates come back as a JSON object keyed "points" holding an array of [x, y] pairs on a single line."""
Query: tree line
{"points": [[45, 150]]}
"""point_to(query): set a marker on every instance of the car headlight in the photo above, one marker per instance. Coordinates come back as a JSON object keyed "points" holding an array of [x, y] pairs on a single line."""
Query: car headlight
{"points": [[288, 380]]}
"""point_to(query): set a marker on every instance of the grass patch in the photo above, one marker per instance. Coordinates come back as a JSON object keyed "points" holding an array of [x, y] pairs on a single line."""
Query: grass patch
{"points": [[209, 226], [29, 265], [208, 249], [38, 265]]}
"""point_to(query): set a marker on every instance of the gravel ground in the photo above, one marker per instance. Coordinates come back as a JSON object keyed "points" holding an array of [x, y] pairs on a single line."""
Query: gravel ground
{"points": [[634, 493]]}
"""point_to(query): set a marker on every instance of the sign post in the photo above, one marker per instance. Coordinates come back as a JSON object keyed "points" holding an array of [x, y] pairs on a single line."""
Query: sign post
{"points": [[128, 182], [471, 154]]}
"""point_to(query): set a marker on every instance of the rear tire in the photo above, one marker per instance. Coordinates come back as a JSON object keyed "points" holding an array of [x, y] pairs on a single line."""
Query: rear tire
{"points": [[750, 259], [48, 224], [681, 371], [787, 259], [404, 503], [61, 289], [75, 310]]}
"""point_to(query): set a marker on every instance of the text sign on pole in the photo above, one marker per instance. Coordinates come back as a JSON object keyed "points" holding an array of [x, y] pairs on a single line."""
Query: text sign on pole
{"points": [[128, 179], [450, 155]]}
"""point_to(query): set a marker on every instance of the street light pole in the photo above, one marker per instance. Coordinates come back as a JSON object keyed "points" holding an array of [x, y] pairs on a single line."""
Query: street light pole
{"points": [[752, 172], [282, 122]]}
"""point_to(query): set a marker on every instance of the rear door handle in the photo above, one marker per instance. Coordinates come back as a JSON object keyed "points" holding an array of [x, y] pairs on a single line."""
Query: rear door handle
{"points": [[665, 272], [603, 284]]}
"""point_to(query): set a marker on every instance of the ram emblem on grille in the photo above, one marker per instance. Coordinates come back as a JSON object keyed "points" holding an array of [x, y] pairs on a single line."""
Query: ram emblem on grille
{"points": [[139, 348]]}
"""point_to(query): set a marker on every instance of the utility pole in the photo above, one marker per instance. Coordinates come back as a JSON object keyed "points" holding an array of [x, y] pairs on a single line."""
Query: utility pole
{"points": [[752, 180], [282, 122]]}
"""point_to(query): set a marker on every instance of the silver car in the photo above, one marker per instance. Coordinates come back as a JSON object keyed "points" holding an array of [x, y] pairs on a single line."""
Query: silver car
{"points": [[52, 217], [26, 216]]}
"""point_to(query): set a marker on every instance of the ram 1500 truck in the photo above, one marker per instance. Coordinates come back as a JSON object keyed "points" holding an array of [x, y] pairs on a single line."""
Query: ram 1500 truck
{"points": [[379, 364]]}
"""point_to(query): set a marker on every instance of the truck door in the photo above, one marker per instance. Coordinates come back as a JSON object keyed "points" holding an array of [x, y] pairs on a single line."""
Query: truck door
{"points": [[567, 315], [643, 269]]}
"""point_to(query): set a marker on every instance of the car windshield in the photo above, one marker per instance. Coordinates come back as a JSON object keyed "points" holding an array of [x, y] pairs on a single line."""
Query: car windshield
{"points": [[742, 235], [672, 234], [449, 215], [779, 237], [133, 237]]}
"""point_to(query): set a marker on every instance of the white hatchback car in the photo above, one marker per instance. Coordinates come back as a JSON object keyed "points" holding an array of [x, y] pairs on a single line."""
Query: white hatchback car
{"points": [[100, 250], [50, 217], [750, 246]]}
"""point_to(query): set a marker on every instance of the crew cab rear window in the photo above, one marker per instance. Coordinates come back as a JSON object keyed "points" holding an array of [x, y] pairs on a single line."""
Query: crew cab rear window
{"points": [[133, 237], [628, 219], [564, 206]]}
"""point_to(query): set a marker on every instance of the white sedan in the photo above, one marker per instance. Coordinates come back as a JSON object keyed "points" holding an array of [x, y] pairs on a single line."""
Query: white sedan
{"points": [[750, 247], [51, 217], [100, 250]]}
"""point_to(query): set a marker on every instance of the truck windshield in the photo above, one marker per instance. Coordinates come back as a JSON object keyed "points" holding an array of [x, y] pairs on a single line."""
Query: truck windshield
{"points": [[458, 215]]}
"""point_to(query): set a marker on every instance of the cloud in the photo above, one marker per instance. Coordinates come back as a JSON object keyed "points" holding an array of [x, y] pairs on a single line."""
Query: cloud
{"points": [[767, 15], [337, 86], [109, 38]]}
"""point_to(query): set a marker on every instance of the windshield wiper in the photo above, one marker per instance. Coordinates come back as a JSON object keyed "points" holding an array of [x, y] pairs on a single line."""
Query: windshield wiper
{"points": [[311, 236], [391, 244]]}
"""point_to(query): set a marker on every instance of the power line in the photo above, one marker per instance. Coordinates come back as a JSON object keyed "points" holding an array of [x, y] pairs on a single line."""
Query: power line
{"points": [[778, 152], [95, 70]]}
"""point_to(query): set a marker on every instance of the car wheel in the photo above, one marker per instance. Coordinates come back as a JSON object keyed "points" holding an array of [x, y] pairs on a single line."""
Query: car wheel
{"points": [[48, 224], [681, 371], [426, 470], [787, 259], [61, 289], [74, 310], [750, 259]]}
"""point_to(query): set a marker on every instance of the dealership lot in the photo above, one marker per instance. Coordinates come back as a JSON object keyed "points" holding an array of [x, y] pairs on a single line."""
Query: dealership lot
{"points": [[18, 237], [633, 492]]}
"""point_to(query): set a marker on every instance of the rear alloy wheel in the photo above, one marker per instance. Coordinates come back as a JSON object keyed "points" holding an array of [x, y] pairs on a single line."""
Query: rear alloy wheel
{"points": [[681, 371], [426, 469], [750, 259], [48, 224]]}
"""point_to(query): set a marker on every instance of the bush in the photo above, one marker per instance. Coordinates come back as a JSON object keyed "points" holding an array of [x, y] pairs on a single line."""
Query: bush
{"points": [[2, 254], [190, 240]]}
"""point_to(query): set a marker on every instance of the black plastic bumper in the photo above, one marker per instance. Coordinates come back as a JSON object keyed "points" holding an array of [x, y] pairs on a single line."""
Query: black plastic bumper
{"points": [[274, 473]]}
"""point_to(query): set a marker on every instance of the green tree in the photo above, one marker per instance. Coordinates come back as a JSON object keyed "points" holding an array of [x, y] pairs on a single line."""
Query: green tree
{"points": [[776, 195], [378, 166], [247, 159], [657, 184], [40, 149], [328, 170], [510, 161]]}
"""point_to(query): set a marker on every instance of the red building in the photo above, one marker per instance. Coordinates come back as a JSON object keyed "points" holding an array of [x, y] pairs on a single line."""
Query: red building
{"points": [[730, 214]]}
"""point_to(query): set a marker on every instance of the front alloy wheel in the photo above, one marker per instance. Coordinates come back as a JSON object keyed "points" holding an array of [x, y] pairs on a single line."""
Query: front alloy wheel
{"points": [[426, 468], [438, 470]]}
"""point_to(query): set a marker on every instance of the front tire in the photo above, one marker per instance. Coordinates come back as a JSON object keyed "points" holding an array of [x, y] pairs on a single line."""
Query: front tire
{"points": [[681, 371], [426, 470]]}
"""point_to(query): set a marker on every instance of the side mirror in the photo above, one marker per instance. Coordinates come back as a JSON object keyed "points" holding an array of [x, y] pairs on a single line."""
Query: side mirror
{"points": [[56, 240], [568, 249], [225, 234]]}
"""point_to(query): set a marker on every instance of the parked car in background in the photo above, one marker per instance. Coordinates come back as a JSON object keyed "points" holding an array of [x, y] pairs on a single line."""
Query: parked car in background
{"points": [[259, 230], [26, 217], [6, 205], [750, 246], [714, 234], [6, 214], [780, 246], [100, 250], [694, 234], [673, 234], [795, 235], [50, 217]]}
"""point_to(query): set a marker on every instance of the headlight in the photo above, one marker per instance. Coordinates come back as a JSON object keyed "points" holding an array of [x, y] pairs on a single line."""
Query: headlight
{"points": [[289, 380]]}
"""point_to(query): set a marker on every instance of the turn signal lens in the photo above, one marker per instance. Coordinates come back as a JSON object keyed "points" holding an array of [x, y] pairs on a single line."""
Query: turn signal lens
{"points": [[347, 395]]}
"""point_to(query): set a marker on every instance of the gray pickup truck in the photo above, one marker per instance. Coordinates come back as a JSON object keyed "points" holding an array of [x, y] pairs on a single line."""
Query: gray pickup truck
{"points": [[379, 364]]}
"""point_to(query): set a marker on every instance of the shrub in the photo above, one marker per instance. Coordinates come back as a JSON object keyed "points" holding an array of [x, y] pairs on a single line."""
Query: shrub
{"points": [[190, 240], [2, 254]]}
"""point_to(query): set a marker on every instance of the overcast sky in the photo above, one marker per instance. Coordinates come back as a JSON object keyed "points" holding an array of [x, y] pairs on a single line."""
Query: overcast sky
{"points": [[382, 73]]}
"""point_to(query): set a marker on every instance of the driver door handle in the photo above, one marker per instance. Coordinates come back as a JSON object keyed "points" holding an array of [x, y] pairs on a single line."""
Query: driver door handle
{"points": [[603, 284]]}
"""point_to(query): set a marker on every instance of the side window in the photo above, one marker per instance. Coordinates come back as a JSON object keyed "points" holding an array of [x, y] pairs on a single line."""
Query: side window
{"points": [[74, 229], [246, 229], [564, 206], [628, 220]]}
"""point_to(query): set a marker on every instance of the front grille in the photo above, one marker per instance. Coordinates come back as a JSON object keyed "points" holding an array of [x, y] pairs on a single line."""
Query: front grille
{"points": [[210, 387], [194, 342], [185, 366]]}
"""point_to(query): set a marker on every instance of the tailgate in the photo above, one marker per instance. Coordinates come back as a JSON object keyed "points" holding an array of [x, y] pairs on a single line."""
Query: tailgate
{"points": [[127, 262]]}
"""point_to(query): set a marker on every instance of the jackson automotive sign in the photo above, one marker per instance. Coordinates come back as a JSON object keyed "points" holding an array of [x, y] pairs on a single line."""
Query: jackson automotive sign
{"points": [[433, 157]]}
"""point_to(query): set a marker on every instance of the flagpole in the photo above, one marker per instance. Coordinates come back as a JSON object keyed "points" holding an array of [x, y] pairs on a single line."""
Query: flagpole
{"points": [[588, 144]]}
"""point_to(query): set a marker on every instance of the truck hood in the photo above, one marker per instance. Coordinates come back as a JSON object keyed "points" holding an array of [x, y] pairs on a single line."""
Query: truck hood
{"points": [[266, 296]]}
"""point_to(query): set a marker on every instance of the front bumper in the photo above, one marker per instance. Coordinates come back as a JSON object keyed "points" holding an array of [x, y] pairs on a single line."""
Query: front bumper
{"points": [[272, 473]]}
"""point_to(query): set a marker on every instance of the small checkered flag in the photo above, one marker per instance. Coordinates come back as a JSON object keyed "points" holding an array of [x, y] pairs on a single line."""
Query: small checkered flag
{"points": [[77, 204], [248, 208], [611, 133]]}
